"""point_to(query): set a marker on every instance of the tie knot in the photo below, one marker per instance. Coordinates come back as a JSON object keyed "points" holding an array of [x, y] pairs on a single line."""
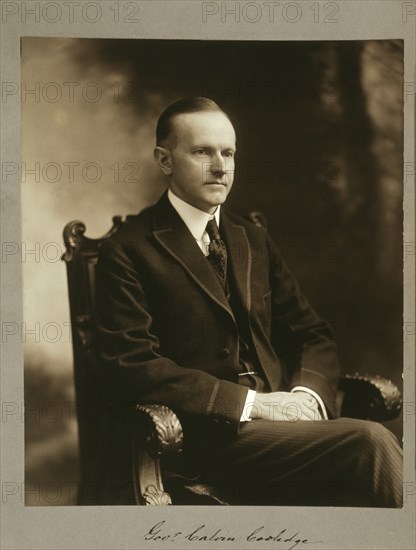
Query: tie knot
{"points": [[212, 230]]}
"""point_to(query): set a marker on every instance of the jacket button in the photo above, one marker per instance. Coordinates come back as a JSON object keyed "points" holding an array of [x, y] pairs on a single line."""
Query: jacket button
{"points": [[228, 423], [224, 353], [216, 421]]}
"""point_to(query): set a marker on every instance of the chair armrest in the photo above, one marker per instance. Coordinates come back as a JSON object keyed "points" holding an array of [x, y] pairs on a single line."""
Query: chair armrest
{"points": [[369, 397], [158, 433]]}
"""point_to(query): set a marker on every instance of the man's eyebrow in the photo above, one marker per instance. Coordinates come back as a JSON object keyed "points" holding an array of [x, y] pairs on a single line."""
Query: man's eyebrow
{"points": [[201, 146]]}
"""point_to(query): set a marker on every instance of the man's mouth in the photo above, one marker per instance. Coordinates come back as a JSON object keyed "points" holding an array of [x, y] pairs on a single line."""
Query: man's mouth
{"points": [[216, 183]]}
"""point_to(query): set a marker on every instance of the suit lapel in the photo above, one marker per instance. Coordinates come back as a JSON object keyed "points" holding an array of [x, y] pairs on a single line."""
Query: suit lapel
{"points": [[174, 236], [239, 252]]}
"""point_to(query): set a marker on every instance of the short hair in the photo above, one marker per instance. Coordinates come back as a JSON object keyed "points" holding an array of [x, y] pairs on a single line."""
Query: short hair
{"points": [[164, 127]]}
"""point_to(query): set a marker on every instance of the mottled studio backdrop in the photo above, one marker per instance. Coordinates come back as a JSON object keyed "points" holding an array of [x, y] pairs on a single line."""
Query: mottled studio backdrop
{"points": [[319, 128]]}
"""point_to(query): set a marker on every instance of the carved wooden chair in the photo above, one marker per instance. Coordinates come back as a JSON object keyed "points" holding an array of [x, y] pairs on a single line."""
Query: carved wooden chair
{"points": [[157, 431]]}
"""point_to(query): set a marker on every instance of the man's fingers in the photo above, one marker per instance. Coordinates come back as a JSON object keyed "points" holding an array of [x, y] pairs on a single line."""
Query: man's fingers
{"points": [[297, 411], [305, 412], [309, 400], [292, 408]]}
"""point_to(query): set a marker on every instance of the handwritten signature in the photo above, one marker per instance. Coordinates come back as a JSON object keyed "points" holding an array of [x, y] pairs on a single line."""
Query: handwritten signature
{"points": [[203, 533]]}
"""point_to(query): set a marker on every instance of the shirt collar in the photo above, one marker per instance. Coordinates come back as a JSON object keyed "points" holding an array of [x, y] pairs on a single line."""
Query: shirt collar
{"points": [[196, 220]]}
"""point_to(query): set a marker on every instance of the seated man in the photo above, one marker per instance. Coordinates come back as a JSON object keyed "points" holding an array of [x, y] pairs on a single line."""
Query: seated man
{"points": [[197, 310]]}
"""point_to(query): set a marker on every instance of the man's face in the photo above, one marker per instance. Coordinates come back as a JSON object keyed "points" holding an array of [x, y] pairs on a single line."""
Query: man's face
{"points": [[202, 159]]}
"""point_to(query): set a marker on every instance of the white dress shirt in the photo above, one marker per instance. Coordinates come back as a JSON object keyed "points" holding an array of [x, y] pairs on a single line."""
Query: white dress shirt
{"points": [[196, 220]]}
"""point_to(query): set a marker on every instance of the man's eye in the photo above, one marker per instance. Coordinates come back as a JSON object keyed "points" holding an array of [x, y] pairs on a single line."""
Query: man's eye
{"points": [[200, 151], [229, 154]]}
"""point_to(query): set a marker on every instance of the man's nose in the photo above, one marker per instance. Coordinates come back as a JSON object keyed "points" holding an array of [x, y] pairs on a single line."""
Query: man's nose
{"points": [[218, 166]]}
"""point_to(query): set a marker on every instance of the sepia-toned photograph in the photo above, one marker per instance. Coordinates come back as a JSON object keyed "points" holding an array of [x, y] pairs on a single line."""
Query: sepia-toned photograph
{"points": [[212, 272]]}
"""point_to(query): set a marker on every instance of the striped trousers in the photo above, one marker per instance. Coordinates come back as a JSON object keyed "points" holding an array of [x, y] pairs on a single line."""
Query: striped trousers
{"points": [[341, 462]]}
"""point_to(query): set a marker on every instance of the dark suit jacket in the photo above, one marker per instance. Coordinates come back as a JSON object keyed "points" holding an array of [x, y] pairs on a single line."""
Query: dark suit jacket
{"points": [[167, 334]]}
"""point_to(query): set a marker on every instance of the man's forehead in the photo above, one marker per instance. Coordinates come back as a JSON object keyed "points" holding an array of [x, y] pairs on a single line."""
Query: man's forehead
{"points": [[202, 122]]}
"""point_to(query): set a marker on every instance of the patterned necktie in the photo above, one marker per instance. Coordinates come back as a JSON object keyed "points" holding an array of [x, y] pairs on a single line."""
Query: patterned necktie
{"points": [[217, 251]]}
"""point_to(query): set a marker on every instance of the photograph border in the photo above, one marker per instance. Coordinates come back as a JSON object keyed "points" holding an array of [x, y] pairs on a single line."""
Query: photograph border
{"points": [[127, 526]]}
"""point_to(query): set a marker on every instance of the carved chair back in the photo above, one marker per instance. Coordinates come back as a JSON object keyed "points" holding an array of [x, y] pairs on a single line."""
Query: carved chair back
{"points": [[81, 258]]}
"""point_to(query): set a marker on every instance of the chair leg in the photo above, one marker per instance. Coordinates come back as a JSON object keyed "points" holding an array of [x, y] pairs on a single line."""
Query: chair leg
{"points": [[147, 477], [158, 433]]}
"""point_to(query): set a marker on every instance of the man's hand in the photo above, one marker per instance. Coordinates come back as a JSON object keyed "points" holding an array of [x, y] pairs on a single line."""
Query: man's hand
{"points": [[285, 406]]}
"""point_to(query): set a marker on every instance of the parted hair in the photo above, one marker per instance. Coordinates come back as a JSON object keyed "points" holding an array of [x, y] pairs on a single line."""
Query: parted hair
{"points": [[164, 127]]}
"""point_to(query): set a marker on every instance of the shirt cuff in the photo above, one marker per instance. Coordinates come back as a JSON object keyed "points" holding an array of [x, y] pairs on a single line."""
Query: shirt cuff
{"points": [[248, 405], [316, 396]]}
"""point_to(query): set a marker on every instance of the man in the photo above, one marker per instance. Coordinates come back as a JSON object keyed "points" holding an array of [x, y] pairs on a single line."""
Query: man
{"points": [[197, 310]]}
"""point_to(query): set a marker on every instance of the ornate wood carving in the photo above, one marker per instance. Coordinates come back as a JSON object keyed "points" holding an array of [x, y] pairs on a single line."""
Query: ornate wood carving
{"points": [[158, 432], [75, 239], [156, 497], [166, 434], [371, 397], [73, 235]]}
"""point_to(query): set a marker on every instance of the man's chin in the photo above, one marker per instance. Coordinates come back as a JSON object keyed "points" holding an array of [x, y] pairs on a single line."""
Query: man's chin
{"points": [[217, 201], [216, 193]]}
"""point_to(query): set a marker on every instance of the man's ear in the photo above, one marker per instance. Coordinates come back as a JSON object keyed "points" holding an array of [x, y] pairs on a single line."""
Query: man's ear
{"points": [[163, 159]]}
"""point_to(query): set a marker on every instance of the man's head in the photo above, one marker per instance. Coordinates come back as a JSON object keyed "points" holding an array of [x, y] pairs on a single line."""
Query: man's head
{"points": [[195, 148]]}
